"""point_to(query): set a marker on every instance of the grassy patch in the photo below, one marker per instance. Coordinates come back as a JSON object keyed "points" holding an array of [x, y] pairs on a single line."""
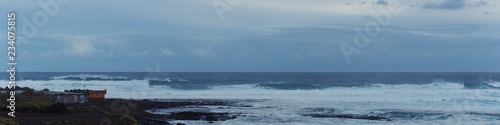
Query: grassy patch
{"points": [[86, 91], [61, 122], [34, 105], [121, 116], [6, 121]]}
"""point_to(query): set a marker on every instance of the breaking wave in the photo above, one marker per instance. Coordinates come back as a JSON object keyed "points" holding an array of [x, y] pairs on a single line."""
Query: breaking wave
{"points": [[90, 77]]}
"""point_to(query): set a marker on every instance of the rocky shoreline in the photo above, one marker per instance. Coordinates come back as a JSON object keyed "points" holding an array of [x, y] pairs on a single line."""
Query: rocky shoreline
{"points": [[121, 112], [148, 112], [161, 119]]}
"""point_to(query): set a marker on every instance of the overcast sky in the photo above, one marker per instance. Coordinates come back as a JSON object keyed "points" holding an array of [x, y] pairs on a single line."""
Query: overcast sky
{"points": [[256, 36]]}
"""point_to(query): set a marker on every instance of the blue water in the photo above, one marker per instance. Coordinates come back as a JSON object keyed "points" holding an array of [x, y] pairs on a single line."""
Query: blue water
{"points": [[287, 81]]}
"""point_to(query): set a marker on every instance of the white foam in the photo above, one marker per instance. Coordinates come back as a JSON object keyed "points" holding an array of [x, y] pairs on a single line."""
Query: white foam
{"points": [[85, 76], [495, 84]]}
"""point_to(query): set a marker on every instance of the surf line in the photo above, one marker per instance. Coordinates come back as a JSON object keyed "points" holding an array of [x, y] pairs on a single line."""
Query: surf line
{"points": [[12, 64]]}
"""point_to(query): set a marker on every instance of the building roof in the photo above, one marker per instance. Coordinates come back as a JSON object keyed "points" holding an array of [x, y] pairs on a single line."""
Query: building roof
{"points": [[60, 93], [17, 91], [97, 91]]}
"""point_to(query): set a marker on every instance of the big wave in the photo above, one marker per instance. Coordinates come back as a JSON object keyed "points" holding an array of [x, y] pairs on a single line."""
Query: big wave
{"points": [[90, 77]]}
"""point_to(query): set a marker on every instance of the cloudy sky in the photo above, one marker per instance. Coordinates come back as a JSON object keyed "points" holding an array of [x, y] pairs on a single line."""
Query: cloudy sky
{"points": [[256, 35]]}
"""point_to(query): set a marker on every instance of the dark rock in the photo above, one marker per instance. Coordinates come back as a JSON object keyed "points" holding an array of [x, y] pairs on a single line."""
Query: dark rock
{"points": [[151, 120], [54, 108], [207, 116]]}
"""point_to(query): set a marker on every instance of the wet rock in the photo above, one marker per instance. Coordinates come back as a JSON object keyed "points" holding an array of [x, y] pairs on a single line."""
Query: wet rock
{"points": [[207, 116]]}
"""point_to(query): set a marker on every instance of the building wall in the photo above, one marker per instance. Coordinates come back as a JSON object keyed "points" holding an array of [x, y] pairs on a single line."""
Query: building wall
{"points": [[68, 98], [98, 96]]}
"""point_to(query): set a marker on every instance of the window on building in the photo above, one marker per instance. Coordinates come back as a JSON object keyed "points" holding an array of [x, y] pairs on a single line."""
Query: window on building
{"points": [[97, 94]]}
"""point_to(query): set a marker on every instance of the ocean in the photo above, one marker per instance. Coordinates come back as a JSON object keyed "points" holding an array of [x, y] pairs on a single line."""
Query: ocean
{"points": [[302, 98]]}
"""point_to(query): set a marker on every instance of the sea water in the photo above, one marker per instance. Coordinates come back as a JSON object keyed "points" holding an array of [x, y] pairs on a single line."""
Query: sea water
{"points": [[290, 98]]}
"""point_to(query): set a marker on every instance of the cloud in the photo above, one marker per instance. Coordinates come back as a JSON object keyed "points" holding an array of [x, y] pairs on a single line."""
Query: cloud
{"points": [[167, 52], [360, 3], [445, 31], [487, 13], [481, 3], [72, 46], [381, 2], [249, 30], [76, 49], [80, 48], [446, 4], [204, 54]]}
